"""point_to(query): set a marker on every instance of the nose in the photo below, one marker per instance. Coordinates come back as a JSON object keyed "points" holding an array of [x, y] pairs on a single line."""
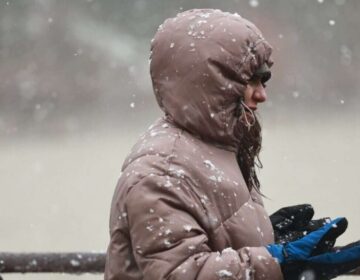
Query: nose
{"points": [[260, 94]]}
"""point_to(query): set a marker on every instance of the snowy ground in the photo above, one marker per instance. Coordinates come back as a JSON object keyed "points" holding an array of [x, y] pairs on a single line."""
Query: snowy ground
{"points": [[56, 192]]}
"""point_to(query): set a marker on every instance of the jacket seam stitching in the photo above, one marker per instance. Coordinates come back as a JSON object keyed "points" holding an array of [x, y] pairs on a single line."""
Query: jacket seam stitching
{"points": [[224, 221]]}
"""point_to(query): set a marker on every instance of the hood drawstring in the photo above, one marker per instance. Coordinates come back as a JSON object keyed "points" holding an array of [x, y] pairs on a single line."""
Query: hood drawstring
{"points": [[243, 112]]}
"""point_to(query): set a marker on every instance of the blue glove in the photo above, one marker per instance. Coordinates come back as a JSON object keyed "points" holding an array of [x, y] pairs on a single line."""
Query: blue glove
{"points": [[313, 256], [330, 265], [315, 243]]}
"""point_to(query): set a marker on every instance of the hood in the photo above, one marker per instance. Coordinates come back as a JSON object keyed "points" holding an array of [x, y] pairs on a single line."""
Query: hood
{"points": [[201, 62]]}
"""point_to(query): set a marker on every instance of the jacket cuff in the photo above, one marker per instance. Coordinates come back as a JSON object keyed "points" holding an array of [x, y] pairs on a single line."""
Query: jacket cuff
{"points": [[262, 265]]}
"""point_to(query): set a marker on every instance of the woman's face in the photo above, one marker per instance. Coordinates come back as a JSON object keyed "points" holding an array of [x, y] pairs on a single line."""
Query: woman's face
{"points": [[254, 93]]}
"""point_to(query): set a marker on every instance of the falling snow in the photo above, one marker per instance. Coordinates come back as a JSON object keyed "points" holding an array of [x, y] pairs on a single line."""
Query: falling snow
{"points": [[254, 3]]}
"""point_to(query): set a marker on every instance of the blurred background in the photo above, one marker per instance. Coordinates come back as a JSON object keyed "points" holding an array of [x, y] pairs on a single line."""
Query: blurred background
{"points": [[75, 94]]}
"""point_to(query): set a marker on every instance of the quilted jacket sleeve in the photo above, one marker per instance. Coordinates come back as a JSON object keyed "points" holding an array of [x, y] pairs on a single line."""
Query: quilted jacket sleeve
{"points": [[169, 243]]}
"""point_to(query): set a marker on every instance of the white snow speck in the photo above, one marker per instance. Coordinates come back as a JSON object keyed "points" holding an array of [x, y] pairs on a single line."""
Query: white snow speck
{"points": [[151, 210], [154, 133], [247, 204], [75, 263], [180, 173], [139, 251], [342, 101], [295, 94], [168, 184], [254, 3], [228, 251], [209, 164], [132, 105], [224, 273], [215, 178], [167, 243], [187, 228], [321, 1], [346, 55], [172, 45], [332, 22], [205, 15], [261, 258]]}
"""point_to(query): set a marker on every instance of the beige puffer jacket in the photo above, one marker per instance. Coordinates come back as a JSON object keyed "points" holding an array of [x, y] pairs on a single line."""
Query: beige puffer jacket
{"points": [[181, 209]]}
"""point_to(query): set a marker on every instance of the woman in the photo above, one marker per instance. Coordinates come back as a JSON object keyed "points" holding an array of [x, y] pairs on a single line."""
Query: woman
{"points": [[188, 204]]}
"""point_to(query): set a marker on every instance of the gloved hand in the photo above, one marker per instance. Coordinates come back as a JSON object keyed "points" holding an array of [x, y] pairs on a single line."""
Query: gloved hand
{"points": [[294, 222], [332, 264], [313, 256]]}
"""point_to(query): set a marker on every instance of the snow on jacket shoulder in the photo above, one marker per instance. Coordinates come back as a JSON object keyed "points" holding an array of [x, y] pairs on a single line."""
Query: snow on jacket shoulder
{"points": [[181, 209]]}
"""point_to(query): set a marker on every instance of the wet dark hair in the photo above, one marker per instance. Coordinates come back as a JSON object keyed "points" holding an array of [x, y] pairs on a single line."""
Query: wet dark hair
{"points": [[249, 149], [249, 135]]}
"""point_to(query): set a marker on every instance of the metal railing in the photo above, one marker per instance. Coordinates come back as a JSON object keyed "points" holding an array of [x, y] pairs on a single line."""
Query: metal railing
{"points": [[72, 263]]}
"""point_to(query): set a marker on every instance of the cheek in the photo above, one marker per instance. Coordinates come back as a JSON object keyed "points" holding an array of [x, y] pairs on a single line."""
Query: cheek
{"points": [[248, 93]]}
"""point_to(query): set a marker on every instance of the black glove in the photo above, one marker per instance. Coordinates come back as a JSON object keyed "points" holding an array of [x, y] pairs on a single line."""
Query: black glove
{"points": [[294, 222]]}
